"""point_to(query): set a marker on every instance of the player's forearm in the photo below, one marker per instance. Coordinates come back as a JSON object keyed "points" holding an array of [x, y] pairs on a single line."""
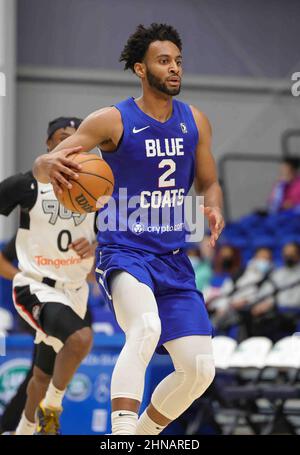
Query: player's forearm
{"points": [[39, 169], [213, 196], [7, 270]]}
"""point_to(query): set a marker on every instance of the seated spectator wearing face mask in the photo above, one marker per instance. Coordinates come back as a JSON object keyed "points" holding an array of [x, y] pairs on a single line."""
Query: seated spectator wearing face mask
{"points": [[236, 294], [276, 310], [226, 265], [283, 288]]}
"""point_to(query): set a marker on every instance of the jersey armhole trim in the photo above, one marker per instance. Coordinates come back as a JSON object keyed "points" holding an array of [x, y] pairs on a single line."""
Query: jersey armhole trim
{"points": [[34, 195], [193, 122]]}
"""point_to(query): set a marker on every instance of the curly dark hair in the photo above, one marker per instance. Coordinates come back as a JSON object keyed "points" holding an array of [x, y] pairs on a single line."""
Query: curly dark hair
{"points": [[138, 43]]}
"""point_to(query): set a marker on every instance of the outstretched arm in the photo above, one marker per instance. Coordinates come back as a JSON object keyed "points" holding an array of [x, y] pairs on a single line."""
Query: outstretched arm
{"points": [[206, 179], [7, 257], [7, 269], [56, 166]]}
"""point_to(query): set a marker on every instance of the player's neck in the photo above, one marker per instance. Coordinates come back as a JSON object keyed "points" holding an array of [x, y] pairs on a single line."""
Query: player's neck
{"points": [[155, 105]]}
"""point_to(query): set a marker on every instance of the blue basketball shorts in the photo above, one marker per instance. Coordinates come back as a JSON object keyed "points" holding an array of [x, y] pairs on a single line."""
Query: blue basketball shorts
{"points": [[171, 277]]}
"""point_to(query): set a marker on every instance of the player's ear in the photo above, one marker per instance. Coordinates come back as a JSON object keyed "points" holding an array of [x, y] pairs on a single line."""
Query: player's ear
{"points": [[140, 70]]}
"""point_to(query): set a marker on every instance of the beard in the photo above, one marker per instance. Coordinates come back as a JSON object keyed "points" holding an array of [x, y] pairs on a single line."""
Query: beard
{"points": [[156, 83]]}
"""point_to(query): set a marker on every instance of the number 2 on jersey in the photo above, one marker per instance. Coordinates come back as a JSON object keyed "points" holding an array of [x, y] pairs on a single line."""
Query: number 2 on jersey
{"points": [[163, 180]]}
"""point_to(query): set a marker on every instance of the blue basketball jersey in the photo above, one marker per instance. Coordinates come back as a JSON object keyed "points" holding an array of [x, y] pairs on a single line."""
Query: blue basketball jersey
{"points": [[154, 167]]}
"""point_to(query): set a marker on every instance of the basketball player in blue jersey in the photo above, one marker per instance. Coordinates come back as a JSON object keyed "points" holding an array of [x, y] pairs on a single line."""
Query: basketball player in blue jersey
{"points": [[156, 147]]}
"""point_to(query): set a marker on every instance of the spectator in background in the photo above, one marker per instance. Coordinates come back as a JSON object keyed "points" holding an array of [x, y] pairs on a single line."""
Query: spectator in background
{"points": [[283, 288], [236, 295], [276, 310], [201, 257], [226, 264], [242, 291], [286, 192]]}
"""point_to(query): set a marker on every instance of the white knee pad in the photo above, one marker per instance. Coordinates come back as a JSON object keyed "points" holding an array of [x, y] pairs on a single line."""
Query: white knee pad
{"points": [[177, 391], [144, 334], [203, 375], [129, 373]]}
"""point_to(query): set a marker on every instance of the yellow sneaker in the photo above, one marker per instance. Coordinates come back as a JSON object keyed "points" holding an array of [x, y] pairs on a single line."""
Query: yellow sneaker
{"points": [[47, 420]]}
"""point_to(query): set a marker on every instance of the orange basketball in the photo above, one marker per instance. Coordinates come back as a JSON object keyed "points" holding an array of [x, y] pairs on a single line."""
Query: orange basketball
{"points": [[93, 188]]}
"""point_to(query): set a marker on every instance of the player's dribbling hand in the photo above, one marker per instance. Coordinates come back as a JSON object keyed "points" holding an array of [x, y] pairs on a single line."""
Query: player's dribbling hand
{"points": [[83, 248], [215, 221], [57, 167]]}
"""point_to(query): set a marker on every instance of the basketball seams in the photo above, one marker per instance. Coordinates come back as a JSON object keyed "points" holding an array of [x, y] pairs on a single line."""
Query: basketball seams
{"points": [[74, 155], [81, 186], [91, 159], [71, 199], [96, 175]]}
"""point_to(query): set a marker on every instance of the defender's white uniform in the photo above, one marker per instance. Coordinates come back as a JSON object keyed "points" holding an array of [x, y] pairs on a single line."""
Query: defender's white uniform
{"points": [[42, 246], [46, 229]]}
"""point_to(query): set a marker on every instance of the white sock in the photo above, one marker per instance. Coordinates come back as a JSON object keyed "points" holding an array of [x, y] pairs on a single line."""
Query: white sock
{"points": [[25, 427], [146, 426], [123, 422], [54, 397]]}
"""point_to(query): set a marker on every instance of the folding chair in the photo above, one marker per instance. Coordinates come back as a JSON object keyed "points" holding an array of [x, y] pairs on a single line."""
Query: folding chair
{"points": [[246, 365], [223, 349], [285, 358]]}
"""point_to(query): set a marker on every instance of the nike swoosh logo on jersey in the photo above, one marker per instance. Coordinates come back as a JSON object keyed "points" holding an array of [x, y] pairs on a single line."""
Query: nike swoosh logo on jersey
{"points": [[46, 191], [139, 130]]}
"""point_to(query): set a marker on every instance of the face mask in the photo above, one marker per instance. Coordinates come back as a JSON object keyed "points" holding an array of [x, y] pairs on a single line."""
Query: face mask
{"points": [[262, 265], [227, 263], [290, 261], [195, 262]]}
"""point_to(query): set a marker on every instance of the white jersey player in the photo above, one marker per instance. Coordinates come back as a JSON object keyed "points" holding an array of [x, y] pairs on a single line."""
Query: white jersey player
{"points": [[55, 252]]}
